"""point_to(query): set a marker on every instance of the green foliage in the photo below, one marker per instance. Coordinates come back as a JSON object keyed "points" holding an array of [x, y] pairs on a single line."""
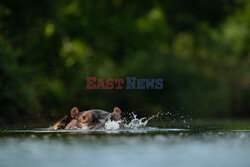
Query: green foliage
{"points": [[48, 48]]}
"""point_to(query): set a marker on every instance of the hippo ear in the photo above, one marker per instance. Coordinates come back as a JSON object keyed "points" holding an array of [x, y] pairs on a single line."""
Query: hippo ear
{"points": [[117, 110], [74, 113]]}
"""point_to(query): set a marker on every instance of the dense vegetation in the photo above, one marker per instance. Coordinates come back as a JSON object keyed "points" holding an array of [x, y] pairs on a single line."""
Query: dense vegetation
{"points": [[48, 48]]}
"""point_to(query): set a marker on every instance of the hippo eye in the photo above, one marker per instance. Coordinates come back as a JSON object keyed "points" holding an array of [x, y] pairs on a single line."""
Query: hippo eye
{"points": [[83, 117]]}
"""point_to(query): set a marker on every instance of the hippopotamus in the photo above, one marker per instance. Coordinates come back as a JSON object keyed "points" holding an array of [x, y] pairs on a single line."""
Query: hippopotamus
{"points": [[92, 119]]}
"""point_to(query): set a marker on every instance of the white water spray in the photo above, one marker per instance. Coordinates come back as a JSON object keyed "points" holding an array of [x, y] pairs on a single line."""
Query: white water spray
{"points": [[135, 123], [112, 125]]}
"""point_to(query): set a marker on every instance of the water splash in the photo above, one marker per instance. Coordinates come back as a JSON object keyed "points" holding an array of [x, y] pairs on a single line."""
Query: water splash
{"points": [[135, 123], [112, 125]]}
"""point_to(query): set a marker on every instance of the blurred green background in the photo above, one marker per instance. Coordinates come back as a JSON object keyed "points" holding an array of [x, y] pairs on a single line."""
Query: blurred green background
{"points": [[48, 48]]}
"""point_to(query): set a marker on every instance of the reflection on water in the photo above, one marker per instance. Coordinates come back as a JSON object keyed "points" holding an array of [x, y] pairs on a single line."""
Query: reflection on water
{"points": [[134, 147]]}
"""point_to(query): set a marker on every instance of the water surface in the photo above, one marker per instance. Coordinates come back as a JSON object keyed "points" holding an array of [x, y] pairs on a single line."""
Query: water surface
{"points": [[192, 147]]}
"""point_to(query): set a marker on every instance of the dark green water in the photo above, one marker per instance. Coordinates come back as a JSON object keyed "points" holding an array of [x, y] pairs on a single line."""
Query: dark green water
{"points": [[194, 147]]}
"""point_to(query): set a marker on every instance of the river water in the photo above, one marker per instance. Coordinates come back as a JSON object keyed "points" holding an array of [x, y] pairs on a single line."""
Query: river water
{"points": [[134, 144], [131, 147]]}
